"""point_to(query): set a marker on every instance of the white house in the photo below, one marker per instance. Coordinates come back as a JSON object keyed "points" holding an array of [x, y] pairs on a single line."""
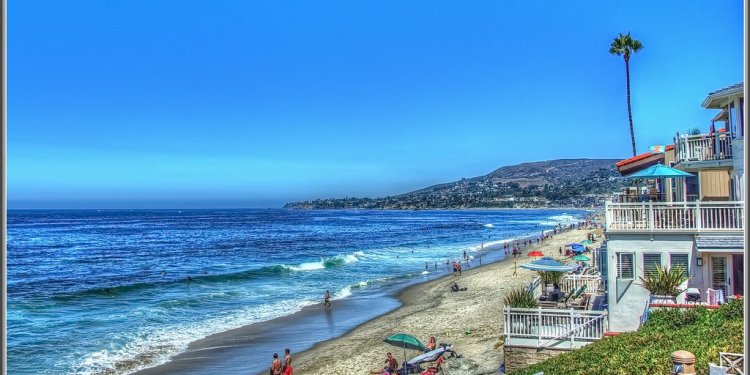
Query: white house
{"points": [[702, 234]]}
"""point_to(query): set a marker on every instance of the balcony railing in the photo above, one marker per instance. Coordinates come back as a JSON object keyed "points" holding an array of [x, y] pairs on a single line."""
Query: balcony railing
{"points": [[572, 282], [543, 328], [675, 217], [703, 147]]}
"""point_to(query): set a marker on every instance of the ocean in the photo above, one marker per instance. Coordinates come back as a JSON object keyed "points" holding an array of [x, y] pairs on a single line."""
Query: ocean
{"points": [[117, 291]]}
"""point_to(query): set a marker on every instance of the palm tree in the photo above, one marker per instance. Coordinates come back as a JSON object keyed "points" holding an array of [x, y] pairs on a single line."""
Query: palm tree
{"points": [[624, 45]]}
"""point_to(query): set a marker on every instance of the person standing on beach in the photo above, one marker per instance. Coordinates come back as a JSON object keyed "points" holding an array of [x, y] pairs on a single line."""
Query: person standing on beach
{"points": [[327, 299], [276, 365], [287, 363]]}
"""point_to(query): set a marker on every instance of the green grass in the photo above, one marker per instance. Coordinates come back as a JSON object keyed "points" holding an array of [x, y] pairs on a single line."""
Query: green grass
{"points": [[700, 331]]}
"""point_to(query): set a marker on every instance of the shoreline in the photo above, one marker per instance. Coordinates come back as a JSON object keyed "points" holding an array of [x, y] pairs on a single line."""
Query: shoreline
{"points": [[231, 351], [430, 309]]}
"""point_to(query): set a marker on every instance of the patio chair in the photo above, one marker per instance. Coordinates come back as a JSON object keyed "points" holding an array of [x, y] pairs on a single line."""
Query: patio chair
{"points": [[582, 304]]}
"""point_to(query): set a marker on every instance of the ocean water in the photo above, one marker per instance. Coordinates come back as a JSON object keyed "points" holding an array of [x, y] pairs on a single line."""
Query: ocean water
{"points": [[107, 291]]}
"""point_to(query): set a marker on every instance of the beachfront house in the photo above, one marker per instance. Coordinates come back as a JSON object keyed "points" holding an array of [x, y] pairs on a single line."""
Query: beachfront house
{"points": [[696, 223]]}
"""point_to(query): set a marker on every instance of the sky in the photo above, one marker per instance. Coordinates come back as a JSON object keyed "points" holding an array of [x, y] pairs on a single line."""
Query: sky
{"points": [[200, 104]]}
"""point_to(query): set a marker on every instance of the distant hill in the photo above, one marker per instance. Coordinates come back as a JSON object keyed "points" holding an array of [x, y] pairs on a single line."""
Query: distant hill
{"points": [[552, 183]]}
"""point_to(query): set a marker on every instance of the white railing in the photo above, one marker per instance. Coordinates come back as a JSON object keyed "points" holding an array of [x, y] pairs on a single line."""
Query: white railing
{"points": [[703, 147], [534, 287], [573, 282], [675, 216], [546, 327]]}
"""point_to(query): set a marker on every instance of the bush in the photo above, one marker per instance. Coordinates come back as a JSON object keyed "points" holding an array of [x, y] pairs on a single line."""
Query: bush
{"points": [[519, 297], [665, 281], [700, 331]]}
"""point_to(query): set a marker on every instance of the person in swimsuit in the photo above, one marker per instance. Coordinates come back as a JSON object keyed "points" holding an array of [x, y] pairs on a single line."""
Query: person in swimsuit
{"points": [[391, 364], [327, 299], [276, 365], [432, 344], [287, 363]]}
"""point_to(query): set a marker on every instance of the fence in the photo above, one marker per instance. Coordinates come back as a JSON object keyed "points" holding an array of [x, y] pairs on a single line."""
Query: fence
{"points": [[703, 147], [546, 327], [572, 282], [677, 216]]}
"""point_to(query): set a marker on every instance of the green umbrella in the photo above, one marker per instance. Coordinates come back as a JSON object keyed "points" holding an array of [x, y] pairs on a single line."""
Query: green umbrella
{"points": [[586, 242], [406, 341], [581, 258]]}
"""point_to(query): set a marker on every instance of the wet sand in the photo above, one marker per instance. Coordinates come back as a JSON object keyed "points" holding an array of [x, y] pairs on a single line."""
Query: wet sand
{"points": [[471, 320]]}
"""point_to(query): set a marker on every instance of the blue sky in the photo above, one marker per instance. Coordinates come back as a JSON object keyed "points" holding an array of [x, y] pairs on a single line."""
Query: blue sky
{"points": [[142, 104]]}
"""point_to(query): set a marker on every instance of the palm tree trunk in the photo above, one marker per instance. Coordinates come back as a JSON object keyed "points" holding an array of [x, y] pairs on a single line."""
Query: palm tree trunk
{"points": [[630, 112]]}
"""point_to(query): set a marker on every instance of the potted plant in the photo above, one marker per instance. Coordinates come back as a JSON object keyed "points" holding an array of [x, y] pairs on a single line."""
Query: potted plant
{"points": [[520, 298], [664, 284]]}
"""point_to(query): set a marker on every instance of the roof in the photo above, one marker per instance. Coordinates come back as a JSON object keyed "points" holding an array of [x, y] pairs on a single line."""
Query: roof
{"points": [[736, 89], [669, 147], [633, 159], [720, 242]]}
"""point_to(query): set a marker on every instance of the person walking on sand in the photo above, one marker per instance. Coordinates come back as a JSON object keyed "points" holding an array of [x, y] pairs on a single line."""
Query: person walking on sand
{"points": [[287, 363], [276, 365], [327, 299]]}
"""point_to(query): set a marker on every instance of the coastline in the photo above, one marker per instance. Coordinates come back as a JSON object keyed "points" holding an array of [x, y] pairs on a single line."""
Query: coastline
{"points": [[470, 320], [348, 338]]}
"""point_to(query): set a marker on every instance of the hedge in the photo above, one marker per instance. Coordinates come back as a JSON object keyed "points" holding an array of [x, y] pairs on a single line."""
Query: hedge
{"points": [[700, 331]]}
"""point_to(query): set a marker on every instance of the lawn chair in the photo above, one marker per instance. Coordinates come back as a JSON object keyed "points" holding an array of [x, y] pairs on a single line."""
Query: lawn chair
{"points": [[582, 304], [572, 299]]}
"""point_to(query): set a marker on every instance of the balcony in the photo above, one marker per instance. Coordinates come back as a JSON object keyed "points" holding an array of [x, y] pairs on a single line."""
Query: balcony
{"points": [[675, 217], [713, 147], [553, 328]]}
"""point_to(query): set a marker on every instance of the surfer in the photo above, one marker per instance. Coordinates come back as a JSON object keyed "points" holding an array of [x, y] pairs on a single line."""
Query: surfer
{"points": [[189, 279], [327, 299]]}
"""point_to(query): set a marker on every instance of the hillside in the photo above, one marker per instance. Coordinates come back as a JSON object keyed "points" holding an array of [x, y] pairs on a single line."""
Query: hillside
{"points": [[553, 183]]}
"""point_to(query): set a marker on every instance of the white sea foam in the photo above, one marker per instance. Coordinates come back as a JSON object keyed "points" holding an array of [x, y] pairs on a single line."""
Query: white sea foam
{"points": [[310, 266], [488, 225], [154, 345], [425, 273]]}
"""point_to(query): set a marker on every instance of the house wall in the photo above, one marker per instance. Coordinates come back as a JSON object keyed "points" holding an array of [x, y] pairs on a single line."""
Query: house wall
{"points": [[714, 185], [669, 157], [624, 314]]}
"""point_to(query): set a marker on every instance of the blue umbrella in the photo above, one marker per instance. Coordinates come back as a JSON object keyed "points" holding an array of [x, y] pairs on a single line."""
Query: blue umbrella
{"points": [[577, 248], [659, 171], [547, 264]]}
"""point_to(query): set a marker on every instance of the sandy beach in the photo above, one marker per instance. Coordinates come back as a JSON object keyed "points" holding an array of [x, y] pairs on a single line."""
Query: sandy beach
{"points": [[471, 320]]}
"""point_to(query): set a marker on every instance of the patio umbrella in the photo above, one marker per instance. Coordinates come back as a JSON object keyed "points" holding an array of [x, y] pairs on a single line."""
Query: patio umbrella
{"points": [[581, 258], [536, 253], [547, 264], [658, 171], [406, 341], [586, 242], [662, 171]]}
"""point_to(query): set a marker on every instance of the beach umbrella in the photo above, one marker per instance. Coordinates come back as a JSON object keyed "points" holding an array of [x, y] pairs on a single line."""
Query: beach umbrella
{"points": [[536, 253], [581, 258], [577, 248], [547, 264], [586, 242], [406, 341]]}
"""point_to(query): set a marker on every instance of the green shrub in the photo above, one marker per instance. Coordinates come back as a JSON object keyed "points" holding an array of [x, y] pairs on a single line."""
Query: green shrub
{"points": [[550, 277], [519, 297], [665, 281], [700, 331]]}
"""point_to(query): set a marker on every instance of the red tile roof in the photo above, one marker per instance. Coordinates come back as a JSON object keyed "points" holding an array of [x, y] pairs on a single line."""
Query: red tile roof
{"points": [[669, 147], [633, 159]]}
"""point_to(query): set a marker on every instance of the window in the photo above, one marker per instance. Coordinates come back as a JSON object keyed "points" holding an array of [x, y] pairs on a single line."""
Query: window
{"points": [[680, 261], [625, 266], [651, 262]]}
